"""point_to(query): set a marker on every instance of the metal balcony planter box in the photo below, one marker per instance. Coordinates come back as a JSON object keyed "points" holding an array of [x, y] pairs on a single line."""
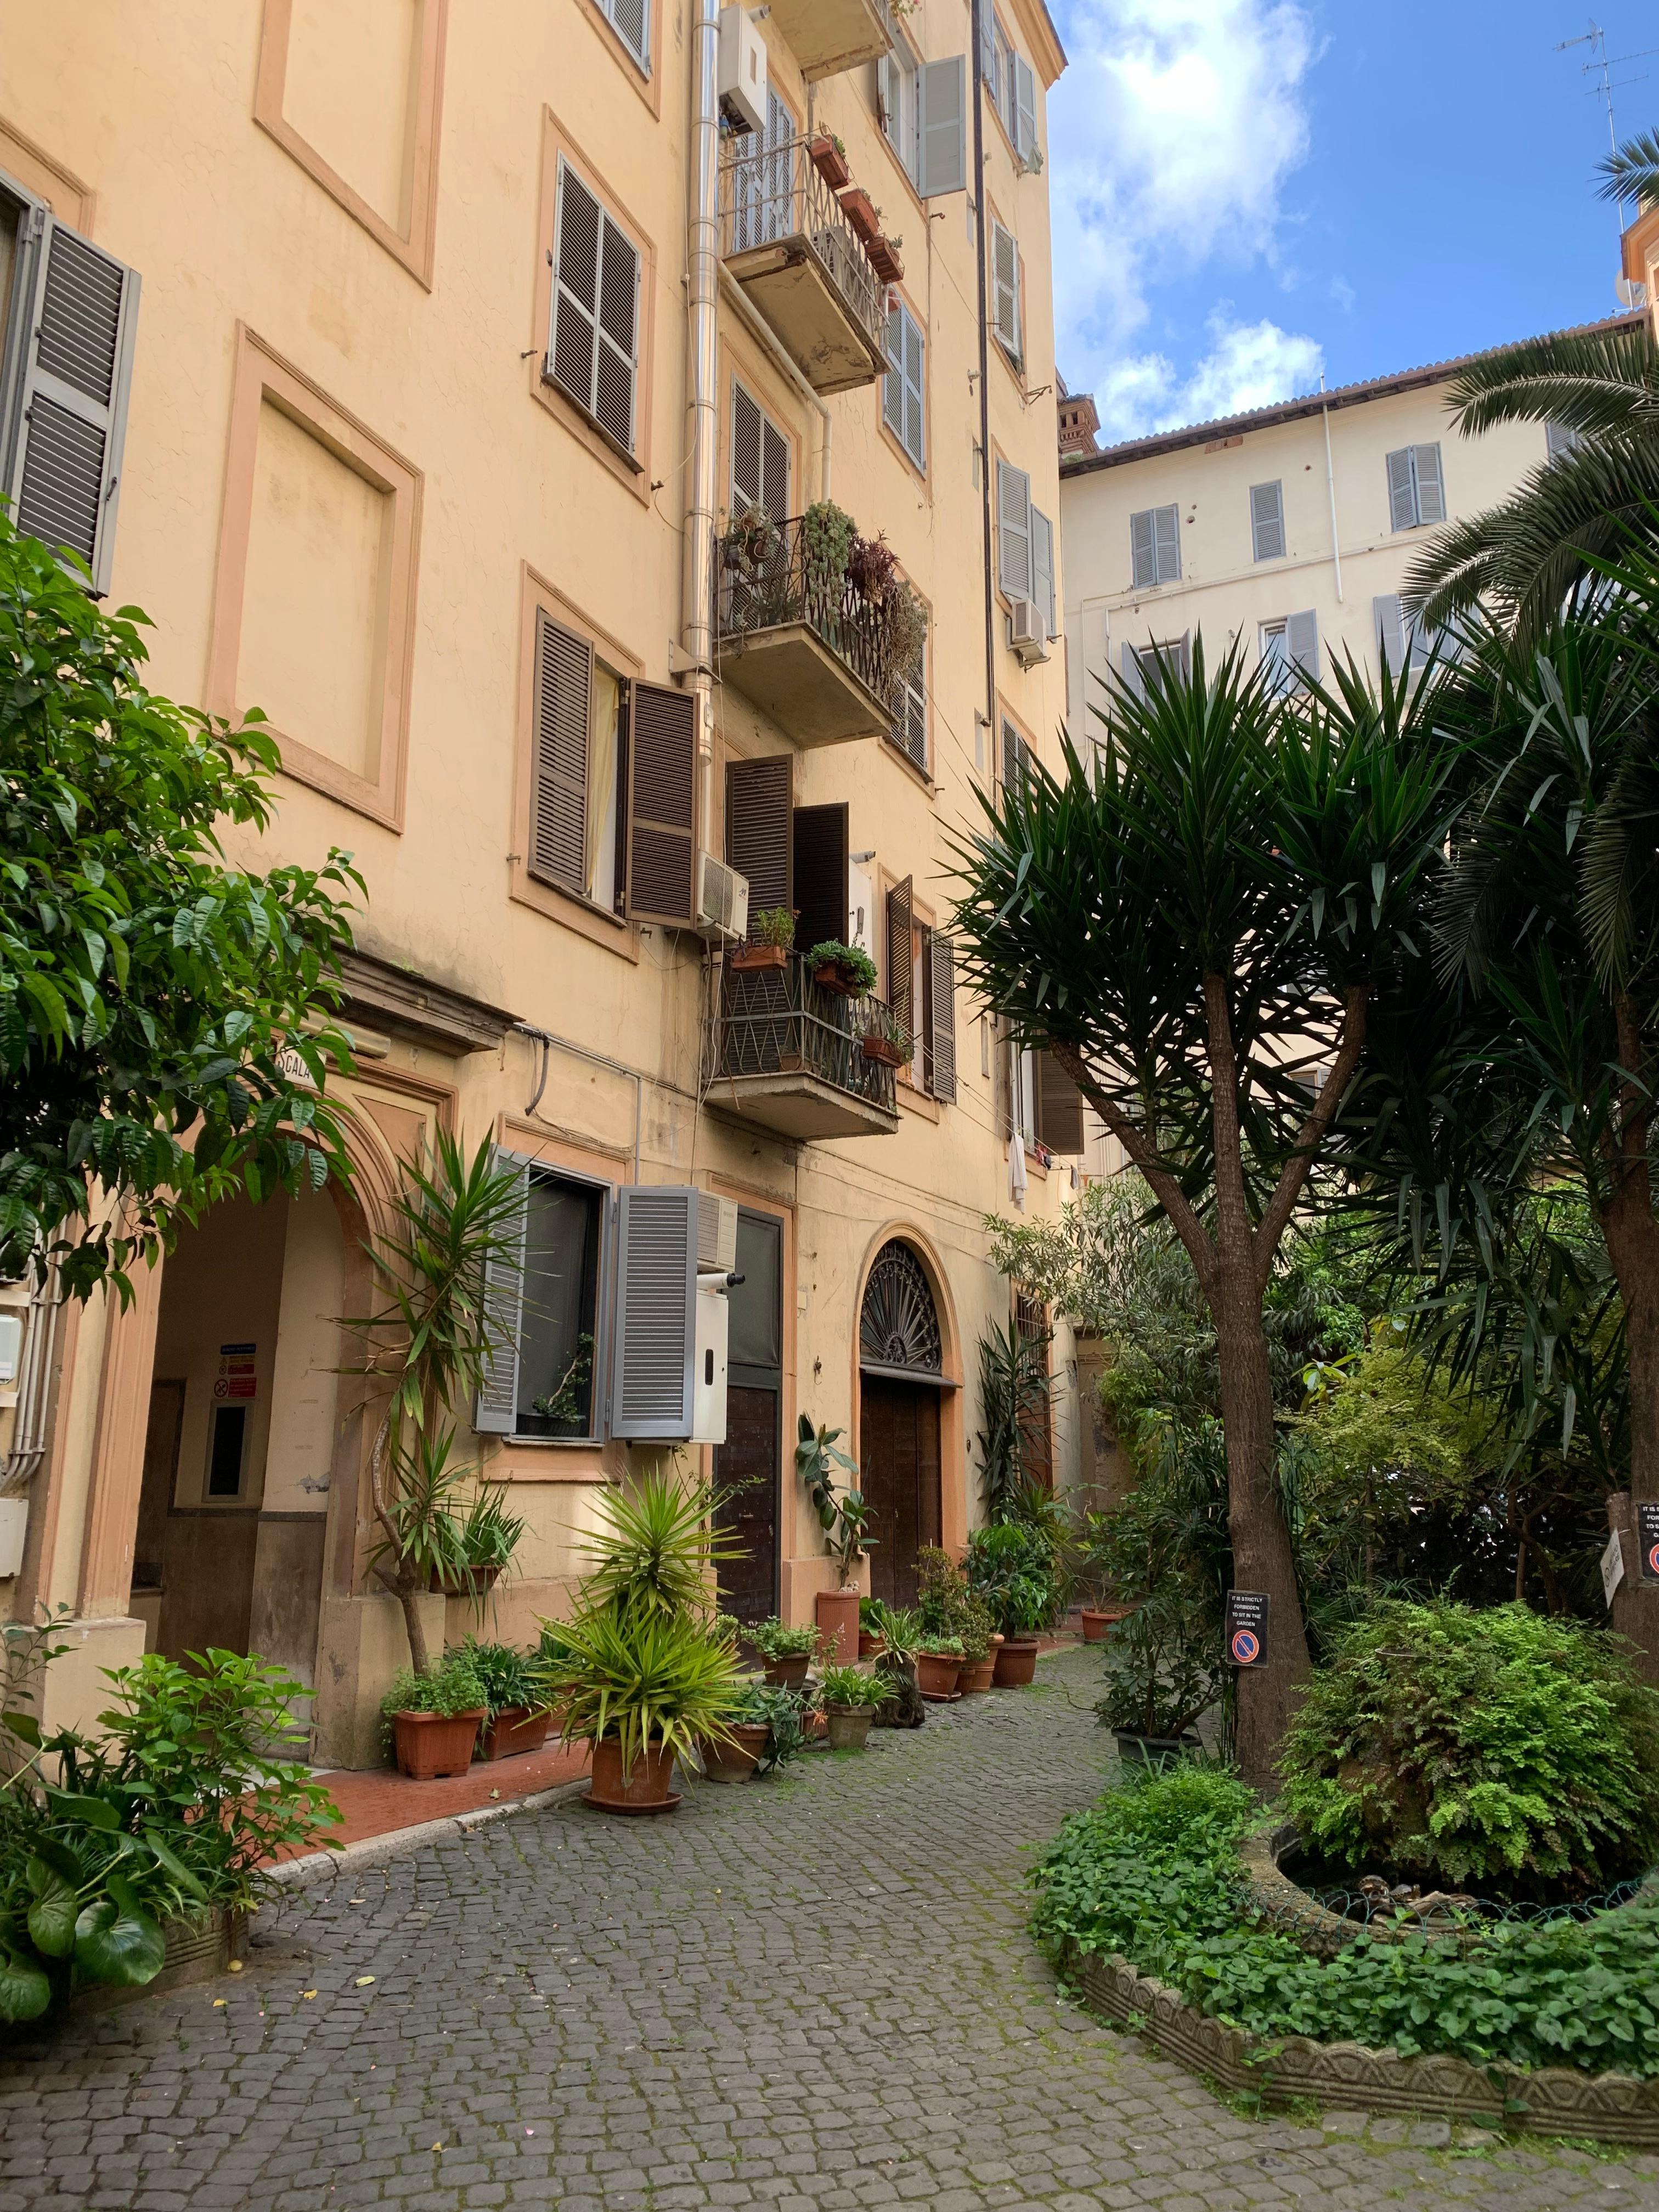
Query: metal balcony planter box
{"points": [[757, 959], [830, 163], [829, 36], [431, 1744]]}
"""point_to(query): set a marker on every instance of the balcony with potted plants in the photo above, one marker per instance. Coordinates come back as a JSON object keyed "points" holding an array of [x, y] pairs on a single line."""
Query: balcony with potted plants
{"points": [[798, 1046], [814, 623], [805, 257], [829, 36]]}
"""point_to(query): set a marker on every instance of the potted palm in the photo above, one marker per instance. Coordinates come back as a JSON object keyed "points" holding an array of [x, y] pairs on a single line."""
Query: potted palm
{"points": [[850, 1698], [435, 1716], [771, 935]]}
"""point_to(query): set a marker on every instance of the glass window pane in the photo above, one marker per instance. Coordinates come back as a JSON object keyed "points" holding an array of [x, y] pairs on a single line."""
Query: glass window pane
{"points": [[755, 1337], [561, 1286]]}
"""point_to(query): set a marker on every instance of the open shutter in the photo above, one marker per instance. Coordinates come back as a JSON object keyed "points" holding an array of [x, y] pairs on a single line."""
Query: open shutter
{"points": [[943, 88], [662, 810], [1387, 621], [1059, 1105], [1025, 122], [1134, 675], [745, 452], [1402, 491], [653, 1344], [1268, 521], [942, 1016], [1302, 644], [1166, 524], [987, 54], [1013, 531], [901, 954], [564, 694], [822, 839], [79, 311], [1430, 485], [1043, 568], [496, 1413], [1005, 287], [758, 843], [1143, 549]]}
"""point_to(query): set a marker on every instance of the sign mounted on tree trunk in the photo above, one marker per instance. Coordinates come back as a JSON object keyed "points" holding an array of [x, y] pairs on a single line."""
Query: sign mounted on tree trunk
{"points": [[1647, 1539], [1247, 1628], [1613, 1565]]}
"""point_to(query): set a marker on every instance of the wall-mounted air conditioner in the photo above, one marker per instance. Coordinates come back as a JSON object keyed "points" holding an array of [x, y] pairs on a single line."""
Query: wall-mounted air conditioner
{"points": [[675, 1245], [1028, 632], [741, 72], [722, 901]]}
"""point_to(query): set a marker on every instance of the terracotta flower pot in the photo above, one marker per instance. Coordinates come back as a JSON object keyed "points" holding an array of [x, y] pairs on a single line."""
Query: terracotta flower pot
{"points": [[860, 211], [830, 163], [514, 1730], [832, 976], [936, 1673], [736, 1761], [643, 1789], [747, 958], [976, 1676], [431, 1744], [881, 1048], [850, 1726], [473, 1584], [838, 1626], [884, 260], [1099, 1620], [1015, 1663], [787, 1673], [870, 1644]]}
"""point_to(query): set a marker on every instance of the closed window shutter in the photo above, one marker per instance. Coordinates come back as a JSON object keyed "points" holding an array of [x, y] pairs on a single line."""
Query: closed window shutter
{"points": [[915, 411], [1005, 282], [775, 471], [619, 305], [1013, 531], [1016, 762], [942, 1016], [77, 312], [987, 55], [1559, 440], [1402, 491], [564, 695], [745, 451], [901, 954], [758, 841], [1059, 1105], [943, 94], [1134, 675], [1143, 547], [1431, 487], [632, 19], [1387, 622], [495, 1412], [892, 385], [910, 730], [1025, 125], [595, 339], [1302, 644], [821, 841], [662, 813], [1268, 521], [1166, 523], [654, 1345], [1043, 568]]}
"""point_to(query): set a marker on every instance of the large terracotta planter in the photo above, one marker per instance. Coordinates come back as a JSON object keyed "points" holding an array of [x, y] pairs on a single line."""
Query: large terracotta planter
{"points": [[870, 1644], [748, 959], [977, 1676], [884, 1049], [736, 1761], [831, 162], [1016, 1662], [514, 1730], [936, 1673], [644, 1789], [787, 1673], [428, 1745], [850, 1726], [1099, 1620], [838, 1626]]}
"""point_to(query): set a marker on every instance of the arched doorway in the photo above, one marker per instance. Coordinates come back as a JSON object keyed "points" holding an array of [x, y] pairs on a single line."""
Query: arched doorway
{"points": [[899, 1378]]}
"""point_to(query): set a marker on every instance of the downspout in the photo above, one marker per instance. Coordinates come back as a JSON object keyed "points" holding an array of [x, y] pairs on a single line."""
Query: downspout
{"points": [[737, 298], [1330, 485], [701, 288], [976, 40]]}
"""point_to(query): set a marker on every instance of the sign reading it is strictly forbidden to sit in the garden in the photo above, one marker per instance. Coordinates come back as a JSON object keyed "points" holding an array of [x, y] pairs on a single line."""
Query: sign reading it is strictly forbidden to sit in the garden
{"points": [[1647, 1539], [1247, 1628]]}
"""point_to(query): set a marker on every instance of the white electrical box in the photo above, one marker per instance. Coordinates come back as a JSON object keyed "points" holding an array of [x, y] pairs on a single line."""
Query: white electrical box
{"points": [[708, 1384], [15, 1524], [741, 72]]}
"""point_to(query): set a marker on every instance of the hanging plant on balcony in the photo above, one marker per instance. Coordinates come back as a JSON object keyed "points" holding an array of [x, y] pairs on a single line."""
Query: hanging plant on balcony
{"points": [[884, 1037], [862, 213], [846, 969], [771, 935], [828, 535]]}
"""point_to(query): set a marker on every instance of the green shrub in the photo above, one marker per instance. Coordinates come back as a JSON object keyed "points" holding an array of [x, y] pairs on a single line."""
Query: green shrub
{"points": [[509, 1677], [1151, 1874], [775, 1641], [1477, 1747], [455, 1685], [1164, 1668], [848, 1685], [949, 1607], [1014, 1568]]}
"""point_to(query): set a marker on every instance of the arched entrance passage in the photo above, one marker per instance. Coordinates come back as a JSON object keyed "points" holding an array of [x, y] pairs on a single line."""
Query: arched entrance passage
{"points": [[899, 1380]]}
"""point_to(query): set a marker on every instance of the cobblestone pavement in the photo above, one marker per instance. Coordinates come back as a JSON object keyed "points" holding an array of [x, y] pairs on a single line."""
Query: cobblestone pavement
{"points": [[810, 1996]]}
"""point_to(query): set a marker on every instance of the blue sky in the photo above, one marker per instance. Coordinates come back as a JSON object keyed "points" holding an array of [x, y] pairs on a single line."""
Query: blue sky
{"points": [[1247, 191]]}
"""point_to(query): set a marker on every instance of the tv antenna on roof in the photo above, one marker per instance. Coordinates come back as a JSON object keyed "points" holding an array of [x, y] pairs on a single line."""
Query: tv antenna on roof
{"points": [[1601, 67]]}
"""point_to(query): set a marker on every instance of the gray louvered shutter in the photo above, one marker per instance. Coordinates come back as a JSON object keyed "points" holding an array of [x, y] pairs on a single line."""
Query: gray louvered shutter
{"points": [[901, 955], [1302, 644], [988, 53], [662, 805], [564, 693], [942, 1016], [653, 1341], [892, 385], [1268, 521], [1143, 547], [1134, 675], [821, 844], [915, 411], [1059, 1105], [495, 1411], [1430, 484], [1559, 439], [1004, 284], [1387, 622], [745, 451], [1166, 524], [758, 842], [77, 310], [633, 21], [1043, 568], [942, 87], [1013, 531], [775, 471], [575, 289], [1402, 491], [909, 730], [1025, 123], [614, 376]]}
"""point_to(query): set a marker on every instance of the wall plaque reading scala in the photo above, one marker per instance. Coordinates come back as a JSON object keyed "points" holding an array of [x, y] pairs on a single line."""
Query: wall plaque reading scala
{"points": [[1247, 1628]]}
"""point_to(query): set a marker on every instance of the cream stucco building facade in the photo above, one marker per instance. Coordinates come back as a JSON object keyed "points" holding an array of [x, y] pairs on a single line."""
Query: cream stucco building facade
{"points": [[443, 353]]}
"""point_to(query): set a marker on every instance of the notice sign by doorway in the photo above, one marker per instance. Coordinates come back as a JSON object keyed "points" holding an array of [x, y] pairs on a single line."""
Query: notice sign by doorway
{"points": [[235, 1378], [1247, 1628]]}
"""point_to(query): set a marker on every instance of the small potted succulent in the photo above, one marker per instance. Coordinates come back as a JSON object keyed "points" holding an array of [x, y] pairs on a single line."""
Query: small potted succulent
{"points": [[787, 1653], [846, 970], [434, 1717], [771, 935], [748, 1730], [850, 1698], [862, 213], [938, 1662], [884, 1037], [872, 1614], [512, 1685], [829, 159]]}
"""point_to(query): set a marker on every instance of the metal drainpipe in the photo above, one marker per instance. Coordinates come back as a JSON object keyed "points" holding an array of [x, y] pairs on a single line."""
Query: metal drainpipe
{"points": [[20, 1465], [701, 283], [976, 37]]}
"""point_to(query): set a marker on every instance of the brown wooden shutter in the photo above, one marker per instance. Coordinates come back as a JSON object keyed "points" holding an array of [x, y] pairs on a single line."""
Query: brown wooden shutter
{"points": [[662, 805], [941, 1016], [758, 844], [901, 953], [822, 839], [745, 452], [1058, 1106], [558, 806]]}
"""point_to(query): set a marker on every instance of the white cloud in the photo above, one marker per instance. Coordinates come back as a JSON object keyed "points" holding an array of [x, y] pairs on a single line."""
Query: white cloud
{"points": [[1171, 135]]}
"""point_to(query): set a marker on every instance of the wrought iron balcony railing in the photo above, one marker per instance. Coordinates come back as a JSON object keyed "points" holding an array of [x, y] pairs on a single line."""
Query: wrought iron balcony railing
{"points": [[779, 1021], [772, 195], [774, 575]]}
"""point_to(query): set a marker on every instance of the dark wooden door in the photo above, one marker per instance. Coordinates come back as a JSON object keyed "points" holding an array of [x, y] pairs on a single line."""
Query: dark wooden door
{"points": [[749, 1463], [898, 1440]]}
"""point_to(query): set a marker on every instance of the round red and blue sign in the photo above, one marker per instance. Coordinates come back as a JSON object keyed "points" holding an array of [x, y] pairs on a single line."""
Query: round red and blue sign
{"points": [[1246, 1646]]}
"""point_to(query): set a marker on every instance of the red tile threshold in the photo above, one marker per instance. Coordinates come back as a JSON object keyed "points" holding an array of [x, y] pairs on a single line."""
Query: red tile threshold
{"points": [[378, 1802]]}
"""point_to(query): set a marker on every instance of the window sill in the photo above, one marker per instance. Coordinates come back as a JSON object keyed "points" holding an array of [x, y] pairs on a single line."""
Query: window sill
{"points": [[639, 74], [624, 465], [550, 1459], [612, 931], [622, 453], [913, 1101]]}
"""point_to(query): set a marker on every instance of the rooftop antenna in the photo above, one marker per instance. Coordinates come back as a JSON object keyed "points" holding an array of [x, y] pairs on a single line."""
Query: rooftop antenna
{"points": [[1601, 67]]}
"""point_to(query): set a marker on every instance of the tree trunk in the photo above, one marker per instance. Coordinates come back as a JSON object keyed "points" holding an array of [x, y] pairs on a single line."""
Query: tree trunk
{"points": [[1632, 1242]]}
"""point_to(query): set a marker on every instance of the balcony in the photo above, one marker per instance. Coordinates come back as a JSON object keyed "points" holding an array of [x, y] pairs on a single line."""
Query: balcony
{"points": [[798, 636], [786, 1057], [829, 36], [785, 238]]}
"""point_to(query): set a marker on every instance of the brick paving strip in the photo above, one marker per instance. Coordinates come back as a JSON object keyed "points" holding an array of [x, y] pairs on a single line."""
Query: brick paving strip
{"points": [[815, 1994]]}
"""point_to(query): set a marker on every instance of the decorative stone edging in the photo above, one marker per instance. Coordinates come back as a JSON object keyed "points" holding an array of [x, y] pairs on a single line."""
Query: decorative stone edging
{"points": [[1286, 1907], [1611, 2107]]}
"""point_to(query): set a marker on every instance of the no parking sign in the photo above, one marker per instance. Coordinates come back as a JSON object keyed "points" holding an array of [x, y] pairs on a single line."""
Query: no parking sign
{"points": [[1247, 1628]]}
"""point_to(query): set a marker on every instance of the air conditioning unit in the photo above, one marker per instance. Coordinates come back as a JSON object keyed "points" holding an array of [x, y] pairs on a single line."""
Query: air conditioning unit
{"points": [[717, 1234], [1028, 632], [742, 73], [722, 901]]}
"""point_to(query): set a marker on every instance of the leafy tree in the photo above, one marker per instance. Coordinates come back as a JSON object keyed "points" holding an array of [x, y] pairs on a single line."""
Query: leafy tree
{"points": [[146, 989], [1194, 925]]}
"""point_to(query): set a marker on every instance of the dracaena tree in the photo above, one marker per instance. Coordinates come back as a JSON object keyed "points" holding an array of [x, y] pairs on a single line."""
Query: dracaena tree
{"points": [[1195, 923]]}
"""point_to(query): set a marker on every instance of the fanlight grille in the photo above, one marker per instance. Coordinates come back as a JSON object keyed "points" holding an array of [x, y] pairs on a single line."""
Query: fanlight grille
{"points": [[898, 1326]]}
